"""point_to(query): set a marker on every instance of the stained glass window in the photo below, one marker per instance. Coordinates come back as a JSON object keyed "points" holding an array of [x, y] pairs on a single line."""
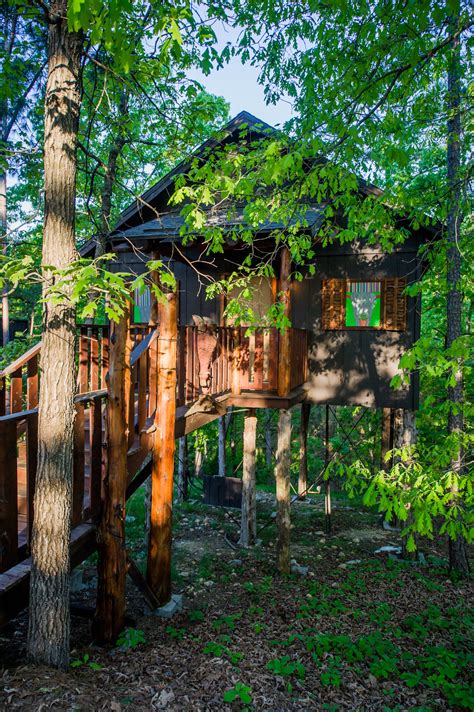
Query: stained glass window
{"points": [[363, 304]]}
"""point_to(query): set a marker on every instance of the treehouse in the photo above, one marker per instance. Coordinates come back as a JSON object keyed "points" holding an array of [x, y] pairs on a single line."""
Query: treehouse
{"points": [[350, 323]]}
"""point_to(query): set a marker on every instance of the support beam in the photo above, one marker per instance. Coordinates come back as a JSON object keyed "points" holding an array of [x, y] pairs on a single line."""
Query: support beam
{"points": [[159, 546], [112, 565], [282, 476], [183, 469], [284, 365], [248, 526], [303, 474], [327, 483]]}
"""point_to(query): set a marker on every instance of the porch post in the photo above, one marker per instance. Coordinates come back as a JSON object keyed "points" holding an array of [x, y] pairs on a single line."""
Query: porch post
{"points": [[284, 365], [112, 567], [282, 476], [248, 527], [163, 450], [303, 474]]}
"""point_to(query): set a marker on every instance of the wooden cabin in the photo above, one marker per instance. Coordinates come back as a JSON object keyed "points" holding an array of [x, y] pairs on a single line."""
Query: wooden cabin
{"points": [[352, 319]]}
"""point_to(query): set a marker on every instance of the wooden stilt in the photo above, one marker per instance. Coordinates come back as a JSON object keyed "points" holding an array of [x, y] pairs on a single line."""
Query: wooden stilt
{"points": [[303, 474], [284, 366], [159, 546], [282, 476], [112, 566], [248, 526], [182, 469], [327, 490]]}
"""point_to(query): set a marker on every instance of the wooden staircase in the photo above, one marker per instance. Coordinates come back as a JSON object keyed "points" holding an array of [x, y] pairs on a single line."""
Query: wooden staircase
{"points": [[228, 365]]}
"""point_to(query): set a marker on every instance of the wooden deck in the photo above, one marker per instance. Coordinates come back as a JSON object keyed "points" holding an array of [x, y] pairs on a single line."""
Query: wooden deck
{"points": [[228, 366]]}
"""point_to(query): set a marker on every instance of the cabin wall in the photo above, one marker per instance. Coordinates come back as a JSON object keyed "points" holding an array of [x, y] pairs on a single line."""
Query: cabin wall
{"points": [[354, 367]]}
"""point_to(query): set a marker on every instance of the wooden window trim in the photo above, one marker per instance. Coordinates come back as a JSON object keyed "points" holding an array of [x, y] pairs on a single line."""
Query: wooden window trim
{"points": [[329, 287]]}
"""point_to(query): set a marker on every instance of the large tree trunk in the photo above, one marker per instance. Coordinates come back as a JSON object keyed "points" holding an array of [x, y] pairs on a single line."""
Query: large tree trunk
{"points": [[458, 559], [248, 525], [48, 634], [282, 475]]}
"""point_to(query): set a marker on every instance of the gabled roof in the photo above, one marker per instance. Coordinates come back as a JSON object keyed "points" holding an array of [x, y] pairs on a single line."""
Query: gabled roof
{"points": [[244, 118]]}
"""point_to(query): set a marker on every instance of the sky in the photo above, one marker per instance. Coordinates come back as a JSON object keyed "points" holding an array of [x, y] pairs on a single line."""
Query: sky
{"points": [[238, 84]]}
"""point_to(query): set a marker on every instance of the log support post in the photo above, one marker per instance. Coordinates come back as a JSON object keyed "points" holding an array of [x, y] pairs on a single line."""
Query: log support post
{"points": [[284, 365], [327, 482], [282, 476], [112, 566], [248, 527], [303, 473], [163, 450]]}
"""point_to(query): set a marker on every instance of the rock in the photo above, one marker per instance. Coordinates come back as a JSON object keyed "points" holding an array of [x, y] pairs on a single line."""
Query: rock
{"points": [[389, 550], [299, 570], [353, 562], [235, 562], [170, 609], [342, 566]]}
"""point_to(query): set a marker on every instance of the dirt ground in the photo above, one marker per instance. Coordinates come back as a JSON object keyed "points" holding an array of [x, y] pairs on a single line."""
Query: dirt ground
{"points": [[355, 631]]}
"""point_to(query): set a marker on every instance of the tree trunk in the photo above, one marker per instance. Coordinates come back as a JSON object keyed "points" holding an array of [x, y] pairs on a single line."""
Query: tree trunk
{"points": [[458, 558], [303, 473], [48, 634], [159, 549], [248, 525], [110, 175], [221, 446], [3, 239], [112, 566], [268, 437], [182, 469], [282, 475]]}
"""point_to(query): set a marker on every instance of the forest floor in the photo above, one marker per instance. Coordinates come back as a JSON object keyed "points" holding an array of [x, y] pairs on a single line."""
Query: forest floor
{"points": [[359, 631]]}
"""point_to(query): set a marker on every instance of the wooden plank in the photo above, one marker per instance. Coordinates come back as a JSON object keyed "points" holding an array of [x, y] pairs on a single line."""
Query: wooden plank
{"points": [[83, 374], [95, 454], [104, 357], [78, 466], [284, 360], [94, 359], [8, 495], [142, 378], [16, 391], [32, 383], [31, 467], [236, 362]]}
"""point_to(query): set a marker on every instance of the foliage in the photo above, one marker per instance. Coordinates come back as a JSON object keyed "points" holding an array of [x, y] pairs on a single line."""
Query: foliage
{"points": [[238, 692], [85, 661], [130, 638]]}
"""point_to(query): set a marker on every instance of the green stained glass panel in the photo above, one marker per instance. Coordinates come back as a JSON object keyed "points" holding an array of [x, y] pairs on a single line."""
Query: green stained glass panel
{"points": [[363, 304]]}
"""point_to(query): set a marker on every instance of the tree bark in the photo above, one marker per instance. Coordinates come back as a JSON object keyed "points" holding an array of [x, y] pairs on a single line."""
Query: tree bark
{"points": [[458, 558], [221, 446], [110, 175], [248, 524], [268, 438], [159, 548], [183, 469], [49, 619], [303, 473], [282, 476], [112, 566]]}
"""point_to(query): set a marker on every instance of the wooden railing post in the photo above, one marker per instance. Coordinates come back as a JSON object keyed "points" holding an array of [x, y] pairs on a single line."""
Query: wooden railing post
{"points": [[31, 466], [284, 360], [236, 365], [159, 545], [8, 495], [79, 470], [112, 566]]}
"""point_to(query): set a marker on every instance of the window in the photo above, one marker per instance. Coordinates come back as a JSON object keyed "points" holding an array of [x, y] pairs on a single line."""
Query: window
{"points": [[359, 304], [142, 307]]}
